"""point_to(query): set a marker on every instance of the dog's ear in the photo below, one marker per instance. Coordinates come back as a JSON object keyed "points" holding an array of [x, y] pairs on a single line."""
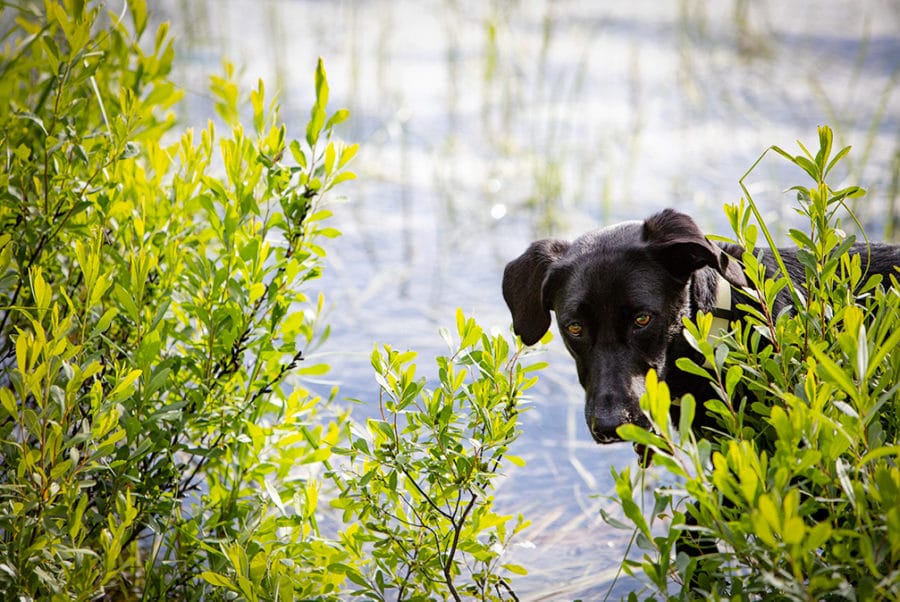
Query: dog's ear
{"points": [[678, 243], [523, 287]]}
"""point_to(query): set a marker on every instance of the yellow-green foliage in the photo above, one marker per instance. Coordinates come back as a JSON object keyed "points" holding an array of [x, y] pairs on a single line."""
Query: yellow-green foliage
{"points": [[156, 438], [418, 480], [152, 306]]}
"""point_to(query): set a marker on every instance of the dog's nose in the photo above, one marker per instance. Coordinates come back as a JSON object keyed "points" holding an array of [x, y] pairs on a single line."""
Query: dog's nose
{"points": [[605, 417], [603, 428]]}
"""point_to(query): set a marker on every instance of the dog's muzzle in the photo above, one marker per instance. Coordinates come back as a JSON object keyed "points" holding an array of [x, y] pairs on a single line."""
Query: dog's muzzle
{"points": [[605, 432]]}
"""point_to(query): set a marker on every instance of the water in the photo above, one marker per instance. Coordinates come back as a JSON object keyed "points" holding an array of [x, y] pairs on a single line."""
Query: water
{"points": [[485, 125]]}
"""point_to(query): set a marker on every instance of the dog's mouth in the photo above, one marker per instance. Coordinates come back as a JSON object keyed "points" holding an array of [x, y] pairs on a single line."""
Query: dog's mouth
{"points": [[606, 438], [644, 454]]}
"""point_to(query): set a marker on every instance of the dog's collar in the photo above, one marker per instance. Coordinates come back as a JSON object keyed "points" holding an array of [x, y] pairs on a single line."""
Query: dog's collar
{"points": [[721, 312]]}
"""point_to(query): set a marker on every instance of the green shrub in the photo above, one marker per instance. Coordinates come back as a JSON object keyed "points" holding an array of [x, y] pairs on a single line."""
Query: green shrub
{"points": [[799, 482], [419, 478], [156, 435], [153, 306]]}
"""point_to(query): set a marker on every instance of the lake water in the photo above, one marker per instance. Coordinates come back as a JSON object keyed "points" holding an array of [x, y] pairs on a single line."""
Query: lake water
{"points": [[485, 125]]}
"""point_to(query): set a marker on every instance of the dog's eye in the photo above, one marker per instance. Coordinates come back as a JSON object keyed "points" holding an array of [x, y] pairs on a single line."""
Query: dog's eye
{"points": [[575, 329], [641, 320]]}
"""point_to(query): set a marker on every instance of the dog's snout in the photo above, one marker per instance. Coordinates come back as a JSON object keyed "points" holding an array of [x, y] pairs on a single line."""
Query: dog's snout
{"points": [[604, 431], [605, 416]]}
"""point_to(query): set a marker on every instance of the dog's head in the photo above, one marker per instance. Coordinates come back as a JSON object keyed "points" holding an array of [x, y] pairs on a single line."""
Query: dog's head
{"points": [[619, 295]]}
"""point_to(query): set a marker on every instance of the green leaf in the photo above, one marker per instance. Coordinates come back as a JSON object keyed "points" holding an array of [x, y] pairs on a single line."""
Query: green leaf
{"points": [[834, 372], [808, 166], [843, 474], [257, 101], [317, 114], [339, 116], [825, 140], [632, 432], [889, 450], [347, 153], [313, 370], [686, 364], [687, 409], [343, 177], [515, 569], [732, 378], [257, 290], [882, 351], [862, 353], [841, 154], [298, 154], [625, 493], [126, 300], [218, 580], [321, 85], [670, 465], [274, 495], [801, 238], [124, 387], [516, 460], [9, 402]]}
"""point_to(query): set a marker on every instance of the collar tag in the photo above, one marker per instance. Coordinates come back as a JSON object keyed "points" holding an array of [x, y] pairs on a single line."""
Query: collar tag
{"points": [[722, 310], [721, 313]]}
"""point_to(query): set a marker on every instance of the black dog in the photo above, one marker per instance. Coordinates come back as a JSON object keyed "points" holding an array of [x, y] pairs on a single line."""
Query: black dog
{"points": [[619, 295]]}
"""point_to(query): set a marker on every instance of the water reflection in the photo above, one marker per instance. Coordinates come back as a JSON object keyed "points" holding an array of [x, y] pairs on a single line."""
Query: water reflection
{"points": [[485, 125]]}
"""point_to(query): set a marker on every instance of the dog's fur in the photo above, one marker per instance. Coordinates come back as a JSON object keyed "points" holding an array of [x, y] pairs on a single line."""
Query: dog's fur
{"points": [[605, 284]]}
